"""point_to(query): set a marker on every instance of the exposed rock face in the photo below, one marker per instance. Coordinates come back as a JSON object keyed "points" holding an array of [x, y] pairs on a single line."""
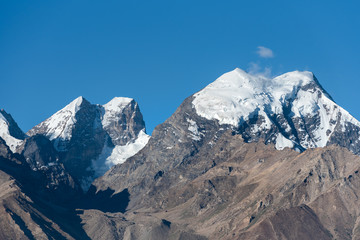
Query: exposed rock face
{"points": [[27, 204], [10, 131], [91, 138], [41, 156], [171, 144], [122, 120], [22, 218], [17, 214]]}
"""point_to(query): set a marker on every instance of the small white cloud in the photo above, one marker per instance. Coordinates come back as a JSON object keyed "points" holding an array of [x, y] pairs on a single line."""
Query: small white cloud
{"points": [[265, 52]]}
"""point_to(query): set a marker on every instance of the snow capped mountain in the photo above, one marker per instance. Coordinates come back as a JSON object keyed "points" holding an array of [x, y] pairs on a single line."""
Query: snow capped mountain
{"points": [[122, 120], [10, 131], [92, 138], [113, 107], [238, 111], [205, 167], [59, 126], [291, 110], [234, 96]]}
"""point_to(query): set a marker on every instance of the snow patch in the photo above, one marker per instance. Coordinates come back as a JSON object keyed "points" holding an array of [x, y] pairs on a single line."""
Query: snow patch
{"points": [[282, 142], [121, 153], [194, 129], [111, 156]]}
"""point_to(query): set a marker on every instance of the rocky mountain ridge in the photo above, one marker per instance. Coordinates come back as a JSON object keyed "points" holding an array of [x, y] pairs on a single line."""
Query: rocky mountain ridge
{"points": [[292, 115], [247, 157], [91, 138], [300, 115]]}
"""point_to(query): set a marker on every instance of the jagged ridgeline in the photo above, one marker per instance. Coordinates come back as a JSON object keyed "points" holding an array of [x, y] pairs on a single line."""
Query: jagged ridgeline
{"points": [[247, 157], [90, 138]]}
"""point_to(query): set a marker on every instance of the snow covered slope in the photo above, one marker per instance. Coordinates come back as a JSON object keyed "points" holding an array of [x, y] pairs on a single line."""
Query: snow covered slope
{"points": [[291, 110], [59, 126], [111, 156], [9, 131], [92, 138]]}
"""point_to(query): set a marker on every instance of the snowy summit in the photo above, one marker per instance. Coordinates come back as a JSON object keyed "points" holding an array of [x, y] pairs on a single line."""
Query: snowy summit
{"points": [[93, 137], [9, 131], [288, 102], [60, 125]]}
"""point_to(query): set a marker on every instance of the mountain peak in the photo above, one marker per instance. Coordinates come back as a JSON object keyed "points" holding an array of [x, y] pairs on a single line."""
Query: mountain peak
{"points": [[93, 137], [10, 131], [254, 105], [117, 103], [237, 94], [75, 105], [240, 78], [60, 124]]}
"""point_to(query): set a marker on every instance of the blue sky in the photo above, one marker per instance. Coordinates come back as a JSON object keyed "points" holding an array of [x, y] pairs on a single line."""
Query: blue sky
{"points": [[160, 52]]}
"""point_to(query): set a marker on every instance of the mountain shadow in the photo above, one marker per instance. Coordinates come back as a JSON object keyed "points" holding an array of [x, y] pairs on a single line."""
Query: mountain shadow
{"points": [[106, 201]]}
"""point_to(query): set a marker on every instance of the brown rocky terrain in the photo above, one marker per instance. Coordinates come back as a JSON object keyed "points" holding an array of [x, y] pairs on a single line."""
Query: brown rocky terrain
{"points": [[29, 207], [253, 192]]}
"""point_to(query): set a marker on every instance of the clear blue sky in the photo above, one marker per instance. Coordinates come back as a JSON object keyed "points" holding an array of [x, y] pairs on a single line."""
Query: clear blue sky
{"points": [[160, 52]]}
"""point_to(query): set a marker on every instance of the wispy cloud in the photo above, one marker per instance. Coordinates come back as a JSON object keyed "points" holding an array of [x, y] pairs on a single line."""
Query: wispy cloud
{"points": [[256, 69], [265, 52]]}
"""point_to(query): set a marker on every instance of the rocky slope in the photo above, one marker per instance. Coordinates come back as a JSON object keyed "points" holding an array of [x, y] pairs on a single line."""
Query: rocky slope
{"points": [[246, 191], [39, 160], [91, 138], [42, 158], [29, 207]]}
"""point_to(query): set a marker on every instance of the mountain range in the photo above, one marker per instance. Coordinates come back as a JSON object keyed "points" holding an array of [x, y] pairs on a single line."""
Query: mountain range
{"points": [[247, 157]]}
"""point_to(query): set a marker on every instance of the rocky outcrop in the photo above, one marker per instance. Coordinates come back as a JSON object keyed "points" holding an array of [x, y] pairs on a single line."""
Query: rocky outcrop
{"points": [[42, 158]]}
